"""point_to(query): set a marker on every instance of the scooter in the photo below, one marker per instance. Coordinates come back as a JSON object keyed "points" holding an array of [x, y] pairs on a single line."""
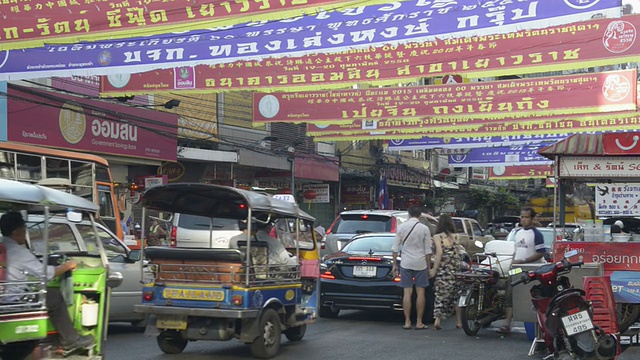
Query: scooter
{"points": [[564, 315]]}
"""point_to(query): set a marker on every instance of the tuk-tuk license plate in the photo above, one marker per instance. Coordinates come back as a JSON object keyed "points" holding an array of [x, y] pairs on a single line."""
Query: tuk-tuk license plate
{"points": [[193, 294], [577, 323], [172, 322], [364, 271]]}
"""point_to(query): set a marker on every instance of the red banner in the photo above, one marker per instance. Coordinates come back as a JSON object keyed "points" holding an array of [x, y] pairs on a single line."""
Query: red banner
{"points": [[570, 94], [593, 43], [501, 172], [455, 127], [615, 256], [33, 23], [621, 144], [51, 119]]}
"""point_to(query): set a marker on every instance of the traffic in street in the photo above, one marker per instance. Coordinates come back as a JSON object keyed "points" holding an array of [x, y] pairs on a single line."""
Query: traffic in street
{"points": [[354, 335]]}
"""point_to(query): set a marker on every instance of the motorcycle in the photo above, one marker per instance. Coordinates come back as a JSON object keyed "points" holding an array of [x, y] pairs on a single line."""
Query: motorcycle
{"points": [[483, 299], [564, 315]]}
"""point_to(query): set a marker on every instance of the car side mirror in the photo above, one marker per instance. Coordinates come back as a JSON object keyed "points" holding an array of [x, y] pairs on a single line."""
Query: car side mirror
{"points": [[134, 255], [114, 280]]}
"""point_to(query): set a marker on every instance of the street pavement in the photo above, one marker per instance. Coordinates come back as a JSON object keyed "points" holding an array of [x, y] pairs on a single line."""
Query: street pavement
{"points": [[354, 335]]}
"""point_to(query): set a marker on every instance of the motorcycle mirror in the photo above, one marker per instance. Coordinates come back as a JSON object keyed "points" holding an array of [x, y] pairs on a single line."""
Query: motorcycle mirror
{"points": [[479, 244], [515, 271], [571, 253]]}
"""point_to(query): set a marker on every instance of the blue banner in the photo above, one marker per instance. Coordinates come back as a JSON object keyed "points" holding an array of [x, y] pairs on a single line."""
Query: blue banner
{"points": [[3, 111], [351, 29], [501, 155], [626, 286], [471, 143]]}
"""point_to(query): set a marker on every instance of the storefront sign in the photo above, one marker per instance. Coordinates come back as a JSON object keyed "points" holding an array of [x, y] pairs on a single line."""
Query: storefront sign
{"points": [[614, 256], [471, 142], [618, 199], [320, 192], [34, 23], [511, 172], [406, 176], [621, 144], [504, 155], [56, 120], [570, 94], [352, 35], [173, 170], [603, 167], [356, 194]]}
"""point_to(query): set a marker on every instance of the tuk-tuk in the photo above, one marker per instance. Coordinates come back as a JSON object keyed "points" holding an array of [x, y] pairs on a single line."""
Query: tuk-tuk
{"points": [[24, 323], [222, 294]]}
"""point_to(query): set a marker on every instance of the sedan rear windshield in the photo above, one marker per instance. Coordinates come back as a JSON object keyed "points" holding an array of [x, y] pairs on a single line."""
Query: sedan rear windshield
{"points": [[195, 222], [358, 224]]}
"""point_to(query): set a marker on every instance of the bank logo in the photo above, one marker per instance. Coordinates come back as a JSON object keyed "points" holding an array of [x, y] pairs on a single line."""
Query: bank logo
{"points": [[269, 106], [616, 88], [119, 81], [619, 36], [73, 123], [458, 158], [184, 77], [581, 4], [104, 58]]}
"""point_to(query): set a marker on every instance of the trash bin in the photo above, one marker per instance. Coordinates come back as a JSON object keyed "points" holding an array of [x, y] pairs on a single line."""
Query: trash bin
{"points": [[530, 328]]}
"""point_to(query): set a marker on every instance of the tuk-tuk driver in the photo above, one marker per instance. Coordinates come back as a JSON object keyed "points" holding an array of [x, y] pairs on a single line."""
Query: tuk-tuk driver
{"points": [[21, 262]]}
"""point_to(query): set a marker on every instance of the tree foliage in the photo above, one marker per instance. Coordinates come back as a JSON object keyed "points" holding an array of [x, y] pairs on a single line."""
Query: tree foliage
{"points": [[500, 199]]}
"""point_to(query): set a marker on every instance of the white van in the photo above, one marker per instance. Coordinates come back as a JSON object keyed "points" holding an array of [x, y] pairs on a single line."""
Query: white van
{"points": [[192, 231]]}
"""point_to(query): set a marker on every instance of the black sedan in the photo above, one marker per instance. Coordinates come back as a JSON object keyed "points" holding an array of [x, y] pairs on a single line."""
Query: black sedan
{"points": [[360, 277]]}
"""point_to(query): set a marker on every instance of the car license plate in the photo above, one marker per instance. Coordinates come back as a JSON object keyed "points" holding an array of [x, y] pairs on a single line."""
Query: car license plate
{"points": [[175, 322], [193, 294], [364, 271], [577, 323]]}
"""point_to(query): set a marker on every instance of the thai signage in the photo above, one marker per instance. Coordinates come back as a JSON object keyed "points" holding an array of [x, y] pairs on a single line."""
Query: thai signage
{"points": [[618, 199], [316, 193], [614, 256], [603, 167], [512, 172], [471, 142], [352, 35], [52, 119], [407, 176], [502, 155], [356, 193], [570, 94], [33, 23], [601, 42]]}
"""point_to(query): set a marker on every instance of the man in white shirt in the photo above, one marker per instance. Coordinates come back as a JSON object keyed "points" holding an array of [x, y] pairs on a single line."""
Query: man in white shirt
{"points": [[21, 263], [278, 254], [530, 249], [414, 239]]}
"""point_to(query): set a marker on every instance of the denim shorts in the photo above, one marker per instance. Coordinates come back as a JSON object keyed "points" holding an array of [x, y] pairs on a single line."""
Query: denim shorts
{"points": [[410, 277]]}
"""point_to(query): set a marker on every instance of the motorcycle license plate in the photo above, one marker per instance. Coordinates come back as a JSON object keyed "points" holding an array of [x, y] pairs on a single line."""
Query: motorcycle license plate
{"points": [[577, 323]]}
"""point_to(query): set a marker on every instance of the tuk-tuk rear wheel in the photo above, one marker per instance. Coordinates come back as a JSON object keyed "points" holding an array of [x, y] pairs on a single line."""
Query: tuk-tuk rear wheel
{"points": [[267, 344], [170, 342], [18, 351]]}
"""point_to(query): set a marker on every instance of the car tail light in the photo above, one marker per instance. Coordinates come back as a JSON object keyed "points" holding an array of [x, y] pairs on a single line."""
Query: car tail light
{"points": [[334, 223], [322, 247], [394, 224], [147, 296], [237, 300], [173, 238], [396, 279], [327, 275], [365, 217], [360, 258]]}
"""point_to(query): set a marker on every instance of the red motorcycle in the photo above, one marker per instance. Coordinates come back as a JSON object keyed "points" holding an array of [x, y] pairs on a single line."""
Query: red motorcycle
{"points": [[564, 314]]}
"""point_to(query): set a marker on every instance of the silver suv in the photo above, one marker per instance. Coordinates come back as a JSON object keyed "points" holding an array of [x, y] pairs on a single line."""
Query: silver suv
{"points": [[354, 222], [193, 231]]}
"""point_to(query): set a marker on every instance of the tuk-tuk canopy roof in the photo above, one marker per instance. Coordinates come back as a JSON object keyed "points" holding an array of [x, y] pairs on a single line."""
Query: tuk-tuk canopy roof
{"points": [[575, 145], [216, 201], [35, 197]]}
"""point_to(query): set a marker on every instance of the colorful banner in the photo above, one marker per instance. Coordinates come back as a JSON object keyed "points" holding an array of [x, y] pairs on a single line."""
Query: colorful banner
{"points": [[55, 120], [617, 199], [501, 172], [593, 43], [624, 121], [614, 256], [354, 31], [570, 94], [503, 155], [471, 142], [626, 285], [36, 22]]}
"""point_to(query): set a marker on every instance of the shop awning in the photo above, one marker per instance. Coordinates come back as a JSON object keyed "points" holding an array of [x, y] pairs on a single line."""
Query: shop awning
{"points": [[576, 145]]}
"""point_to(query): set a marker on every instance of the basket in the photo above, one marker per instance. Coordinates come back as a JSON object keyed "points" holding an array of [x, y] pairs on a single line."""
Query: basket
{"points": [[620, 237]]}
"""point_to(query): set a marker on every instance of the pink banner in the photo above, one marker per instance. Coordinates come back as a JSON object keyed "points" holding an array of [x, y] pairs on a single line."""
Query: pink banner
{"points": [[571, 94], [55, 120]]}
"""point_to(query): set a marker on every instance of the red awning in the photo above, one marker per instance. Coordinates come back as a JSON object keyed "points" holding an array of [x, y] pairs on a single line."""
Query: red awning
{"points": [[618, 144], [316, 167]]}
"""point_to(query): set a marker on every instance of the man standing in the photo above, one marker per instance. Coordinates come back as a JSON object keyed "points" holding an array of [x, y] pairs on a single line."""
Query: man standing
{"points": [[530, 249], [21, 262], [414, 240]]}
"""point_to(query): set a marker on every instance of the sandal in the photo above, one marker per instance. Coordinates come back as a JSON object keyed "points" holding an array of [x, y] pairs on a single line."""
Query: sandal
{"points": [[406, 327], [421, 327], [504, 330]]}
